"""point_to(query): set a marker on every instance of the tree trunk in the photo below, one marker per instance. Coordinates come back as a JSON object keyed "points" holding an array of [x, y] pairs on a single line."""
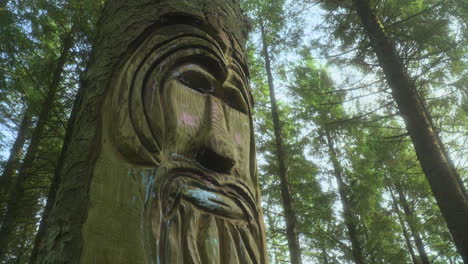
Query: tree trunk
{"points": [[403, 226], [347, 207], [325, 256], [16, 197], [15, 155], [289, 212], [440, 172], [159, 160], [39, 240], [410, 220]]}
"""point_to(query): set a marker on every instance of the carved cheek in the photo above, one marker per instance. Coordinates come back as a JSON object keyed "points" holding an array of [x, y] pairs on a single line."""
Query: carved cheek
{"points": [[189, 120], [239, 126], [242, 138], [238, 138]]}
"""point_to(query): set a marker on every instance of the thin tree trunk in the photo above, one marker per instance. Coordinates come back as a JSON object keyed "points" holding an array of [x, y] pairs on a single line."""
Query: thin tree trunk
{"points": [[289, 212], [403, 226], [410, 220], [347, 210], [55, 183], [15, 205], [15, 154], [442, 176], [325, 256]]}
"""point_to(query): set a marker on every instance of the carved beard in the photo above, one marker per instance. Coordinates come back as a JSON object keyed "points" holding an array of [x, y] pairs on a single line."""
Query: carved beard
{"points": [[196, 220], [205, 207]]}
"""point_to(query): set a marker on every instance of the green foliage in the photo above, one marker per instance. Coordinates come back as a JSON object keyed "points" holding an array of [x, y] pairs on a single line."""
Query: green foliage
{"points": [[32, 38]]}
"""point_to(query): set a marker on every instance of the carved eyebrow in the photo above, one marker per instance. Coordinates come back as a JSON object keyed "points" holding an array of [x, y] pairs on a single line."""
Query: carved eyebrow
{"points": [[198, 78], [238, 84], [239, 75], [205, 62], [232, 96]]}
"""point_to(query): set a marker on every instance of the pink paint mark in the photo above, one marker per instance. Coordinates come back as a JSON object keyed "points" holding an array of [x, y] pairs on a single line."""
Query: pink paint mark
{"points": [[215, 106], [189, 120], [238, 138]]}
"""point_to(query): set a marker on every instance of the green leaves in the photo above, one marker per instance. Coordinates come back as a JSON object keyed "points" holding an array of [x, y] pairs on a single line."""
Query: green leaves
{"points": [[33, 35]]}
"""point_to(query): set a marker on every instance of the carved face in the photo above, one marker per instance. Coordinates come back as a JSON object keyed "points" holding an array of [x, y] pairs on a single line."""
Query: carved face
{"points": [[189, 108], [207, 137], [206, 151]]}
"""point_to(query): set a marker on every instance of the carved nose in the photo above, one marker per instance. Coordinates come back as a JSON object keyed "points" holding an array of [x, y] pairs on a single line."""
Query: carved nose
{"points": [[217, 154]]}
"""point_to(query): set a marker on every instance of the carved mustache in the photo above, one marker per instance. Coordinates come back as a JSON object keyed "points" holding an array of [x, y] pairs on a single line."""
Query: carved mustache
{"points": [[229, 200]]}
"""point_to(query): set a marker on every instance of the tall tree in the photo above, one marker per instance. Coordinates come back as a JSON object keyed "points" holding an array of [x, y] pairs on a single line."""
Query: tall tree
{"points": [[14, 84], [15, 156], [431, 53], [312, 205], [374, 233], [409, 218], [269, 19], [395, 158], [312, 83], [403, 227], [439, 170], [289, 212], [351, 223], [17, 193]]}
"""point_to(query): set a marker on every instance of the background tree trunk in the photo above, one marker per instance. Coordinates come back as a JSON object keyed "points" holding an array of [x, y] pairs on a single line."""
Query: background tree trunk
{"points": [[14, 159], [410, 220], [347, 211], [403, 226], [439, 171], [40, 236], [16, 203], [289, 212]]}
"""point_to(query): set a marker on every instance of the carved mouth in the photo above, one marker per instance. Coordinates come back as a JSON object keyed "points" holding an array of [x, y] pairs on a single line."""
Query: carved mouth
{"points": [[205, 193]]}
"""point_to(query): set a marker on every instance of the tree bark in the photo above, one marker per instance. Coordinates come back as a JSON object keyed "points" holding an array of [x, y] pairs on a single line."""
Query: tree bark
{"points": [[15, 155], [325, 256], [289, 212], [42, 230], [440, 172], [16, 197], [347, 207], [410, 220], [159, 160], [403, 226]]}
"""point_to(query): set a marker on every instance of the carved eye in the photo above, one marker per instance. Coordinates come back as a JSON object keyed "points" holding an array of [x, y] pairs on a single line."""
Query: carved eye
{"points": [[196, 79], [232, 96]]}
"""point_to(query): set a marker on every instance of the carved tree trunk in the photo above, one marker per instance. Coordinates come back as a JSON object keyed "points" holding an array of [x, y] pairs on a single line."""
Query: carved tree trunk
{"points": [[439, 170], [410, 220], [289, 212], [159, 160], [349, 218], [16, 204], [403, 226]]}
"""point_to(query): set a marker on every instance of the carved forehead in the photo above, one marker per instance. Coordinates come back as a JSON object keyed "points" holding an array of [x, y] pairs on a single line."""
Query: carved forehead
{"points": [[231, 45]]}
